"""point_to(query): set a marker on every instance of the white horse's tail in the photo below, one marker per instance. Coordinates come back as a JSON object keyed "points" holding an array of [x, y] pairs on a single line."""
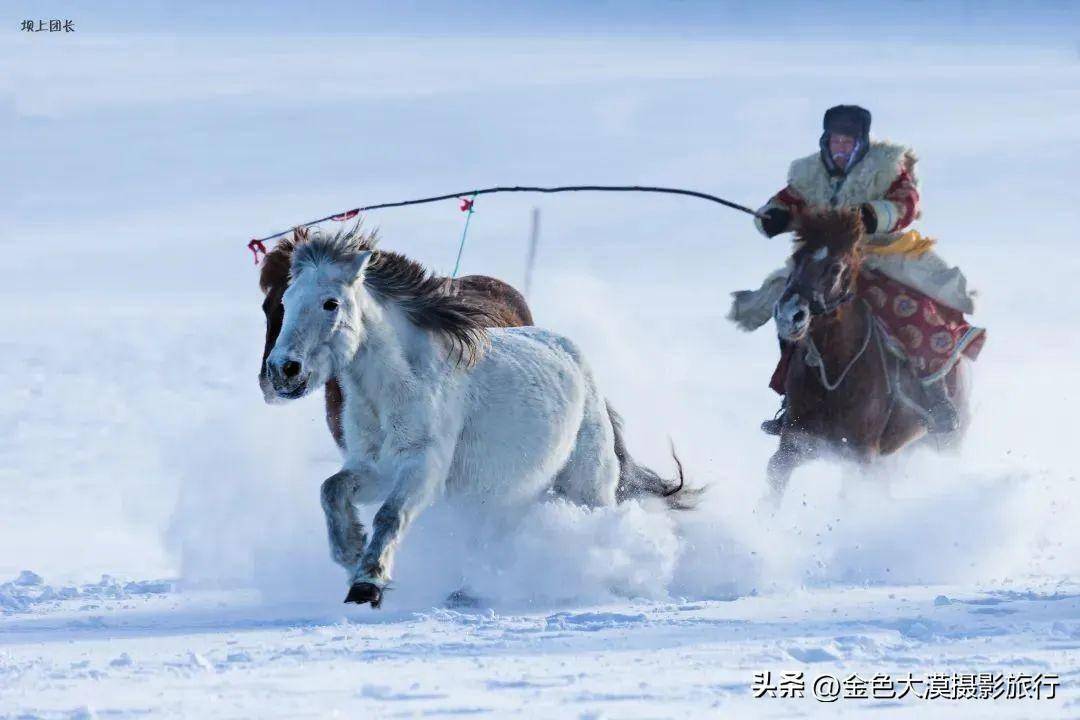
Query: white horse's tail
{"points": [[637, 480]]}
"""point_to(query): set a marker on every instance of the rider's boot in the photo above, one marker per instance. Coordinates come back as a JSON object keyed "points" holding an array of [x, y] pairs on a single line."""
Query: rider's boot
{"points": [[774, 426], [943, 415]]}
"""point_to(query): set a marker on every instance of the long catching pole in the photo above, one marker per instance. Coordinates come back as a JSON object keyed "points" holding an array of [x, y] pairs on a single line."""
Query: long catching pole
{"points": [[516, 189]]}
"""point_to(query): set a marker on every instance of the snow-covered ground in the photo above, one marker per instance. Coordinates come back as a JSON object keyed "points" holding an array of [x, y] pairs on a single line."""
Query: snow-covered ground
{"points": [[117, 650], [168, 521]]}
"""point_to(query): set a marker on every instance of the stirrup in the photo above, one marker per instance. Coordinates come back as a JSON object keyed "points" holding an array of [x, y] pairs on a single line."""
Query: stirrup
{"points": [[942, 415], [774, 426], [943, 419]]}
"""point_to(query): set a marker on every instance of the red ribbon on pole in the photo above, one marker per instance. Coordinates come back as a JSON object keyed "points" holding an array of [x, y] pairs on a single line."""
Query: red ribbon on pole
{"points": [[256, 247], [466, 204]]}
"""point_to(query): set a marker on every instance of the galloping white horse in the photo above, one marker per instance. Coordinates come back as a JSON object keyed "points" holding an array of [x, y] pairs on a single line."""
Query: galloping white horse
{"points": [[435, 400]]}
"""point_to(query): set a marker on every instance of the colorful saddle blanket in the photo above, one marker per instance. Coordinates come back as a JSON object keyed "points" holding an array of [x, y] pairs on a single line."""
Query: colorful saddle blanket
{"points": [[932, 336]]}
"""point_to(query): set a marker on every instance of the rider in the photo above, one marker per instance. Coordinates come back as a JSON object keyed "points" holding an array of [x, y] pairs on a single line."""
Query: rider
{"points": [[878, 178]]}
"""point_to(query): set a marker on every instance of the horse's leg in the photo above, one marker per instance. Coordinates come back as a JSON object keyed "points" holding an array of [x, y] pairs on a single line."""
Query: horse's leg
{"points": [[343, 525], [781, 465], [591, 473], [951, 443], [905, 427], [795, 447], [418, 481]]}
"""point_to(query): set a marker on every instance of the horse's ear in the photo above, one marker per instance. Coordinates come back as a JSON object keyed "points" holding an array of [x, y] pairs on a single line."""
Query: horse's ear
{"points": [[358, 264]]}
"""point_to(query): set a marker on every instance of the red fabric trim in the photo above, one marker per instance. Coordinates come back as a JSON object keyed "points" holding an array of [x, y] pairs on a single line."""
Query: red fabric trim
{"points": [[789, 197], [256, 246], [903, 193], [779, 376], [347, 215]]}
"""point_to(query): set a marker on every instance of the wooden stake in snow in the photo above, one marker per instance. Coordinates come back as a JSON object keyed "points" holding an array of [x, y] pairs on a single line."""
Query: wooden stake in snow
{"points": [[530, 262]]}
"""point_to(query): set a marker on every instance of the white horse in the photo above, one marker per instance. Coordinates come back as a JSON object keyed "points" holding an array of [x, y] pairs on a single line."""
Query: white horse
{"points": [[436, 401]]}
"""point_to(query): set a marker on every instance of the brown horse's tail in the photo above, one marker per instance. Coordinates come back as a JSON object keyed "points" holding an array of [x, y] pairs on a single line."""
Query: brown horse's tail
{"points": [[638, 481]]}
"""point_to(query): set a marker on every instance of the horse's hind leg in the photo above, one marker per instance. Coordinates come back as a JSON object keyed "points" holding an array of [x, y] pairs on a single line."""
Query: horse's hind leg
{"points": [[591, 473]]}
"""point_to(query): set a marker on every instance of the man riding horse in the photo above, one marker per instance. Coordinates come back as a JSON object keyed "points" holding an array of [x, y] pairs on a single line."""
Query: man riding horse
{"points": [[919, 294]]}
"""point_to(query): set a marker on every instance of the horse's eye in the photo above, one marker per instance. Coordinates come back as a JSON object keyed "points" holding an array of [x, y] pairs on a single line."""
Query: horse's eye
{"points": [[330, 305]]}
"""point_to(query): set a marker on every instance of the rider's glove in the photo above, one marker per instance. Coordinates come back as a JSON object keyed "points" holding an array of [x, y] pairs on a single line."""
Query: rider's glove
{"points": [[869, 218], [775, 221]]}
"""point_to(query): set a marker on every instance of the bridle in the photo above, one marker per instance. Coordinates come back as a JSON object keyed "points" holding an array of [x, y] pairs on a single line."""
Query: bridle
{"points": [[819, 306], [816, 301]]}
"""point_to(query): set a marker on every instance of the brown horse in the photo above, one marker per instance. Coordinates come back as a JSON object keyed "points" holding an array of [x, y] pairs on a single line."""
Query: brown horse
{"points": [[847, 392], [505, 305]]}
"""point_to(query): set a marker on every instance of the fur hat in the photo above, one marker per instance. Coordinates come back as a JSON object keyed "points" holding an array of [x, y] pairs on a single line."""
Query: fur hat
{"points": [[845, 120]]}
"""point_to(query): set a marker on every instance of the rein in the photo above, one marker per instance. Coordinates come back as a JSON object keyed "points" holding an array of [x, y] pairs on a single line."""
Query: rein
{"points": [[815, 359]]}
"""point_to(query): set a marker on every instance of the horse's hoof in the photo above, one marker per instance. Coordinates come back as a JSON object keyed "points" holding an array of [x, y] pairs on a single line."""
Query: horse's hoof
{"points": [[461, 599], [365, 592]]}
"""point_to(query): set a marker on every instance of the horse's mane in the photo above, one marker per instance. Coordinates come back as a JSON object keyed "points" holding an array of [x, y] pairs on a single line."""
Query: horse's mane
{"points": [[840, 230], [274, 272], [425, 298]]}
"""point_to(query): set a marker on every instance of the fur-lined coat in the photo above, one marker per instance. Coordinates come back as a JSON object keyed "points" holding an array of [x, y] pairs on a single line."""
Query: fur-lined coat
{"points": [[885, 178]]}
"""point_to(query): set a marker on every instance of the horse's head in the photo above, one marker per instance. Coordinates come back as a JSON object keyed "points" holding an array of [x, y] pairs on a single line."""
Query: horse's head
{"points": [[318, 318], [825, 270]]}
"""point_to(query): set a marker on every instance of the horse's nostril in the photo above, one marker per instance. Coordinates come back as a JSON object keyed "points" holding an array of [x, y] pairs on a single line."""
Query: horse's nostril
{"points": [[798, 317], [290, 368]]}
